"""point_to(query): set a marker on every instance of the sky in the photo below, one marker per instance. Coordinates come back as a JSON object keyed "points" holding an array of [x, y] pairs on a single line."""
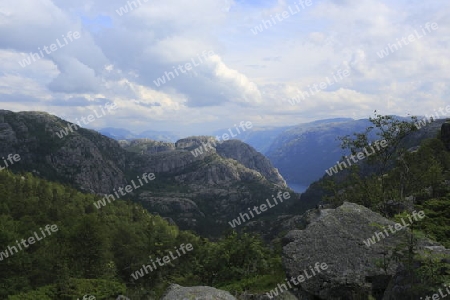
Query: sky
{"points": [[240, 60]]}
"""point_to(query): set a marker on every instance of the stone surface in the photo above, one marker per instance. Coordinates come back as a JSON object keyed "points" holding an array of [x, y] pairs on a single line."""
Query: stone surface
{"points": [[335, 237], [177, 292], [355, 270]]}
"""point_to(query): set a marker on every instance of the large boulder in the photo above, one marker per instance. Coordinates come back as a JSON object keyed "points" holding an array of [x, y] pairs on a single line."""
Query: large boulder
{"points": [[338, 237], [177, 292]]}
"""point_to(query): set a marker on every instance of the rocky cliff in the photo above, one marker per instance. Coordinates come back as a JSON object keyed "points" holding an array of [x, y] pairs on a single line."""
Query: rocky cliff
{"points": [[93, 163], [247, 156]]}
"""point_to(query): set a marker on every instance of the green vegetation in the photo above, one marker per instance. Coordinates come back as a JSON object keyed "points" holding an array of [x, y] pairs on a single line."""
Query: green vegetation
{"points": [[96, 251], [397, 180]]}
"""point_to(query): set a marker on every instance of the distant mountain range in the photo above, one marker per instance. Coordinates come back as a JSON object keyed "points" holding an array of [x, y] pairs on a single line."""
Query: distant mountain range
{"points": [[301, 153], [124, 134]]}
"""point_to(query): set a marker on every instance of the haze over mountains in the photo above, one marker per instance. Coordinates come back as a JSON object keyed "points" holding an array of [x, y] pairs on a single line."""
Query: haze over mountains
{"points": [[301, 153]]}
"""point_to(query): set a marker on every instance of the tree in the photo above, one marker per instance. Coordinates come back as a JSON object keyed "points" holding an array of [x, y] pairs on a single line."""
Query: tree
{"points": [[89, 248], [369, 184]]}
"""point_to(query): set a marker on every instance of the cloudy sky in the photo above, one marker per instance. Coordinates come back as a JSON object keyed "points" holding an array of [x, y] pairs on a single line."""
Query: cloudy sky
{"points": [[246, 59]]}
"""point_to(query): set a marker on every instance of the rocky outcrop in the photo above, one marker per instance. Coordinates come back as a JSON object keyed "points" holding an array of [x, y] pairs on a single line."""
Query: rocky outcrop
{"points": [[184, 210], [193, 142], [177, 292], [249, 157], [357, 268], [235, 161]]}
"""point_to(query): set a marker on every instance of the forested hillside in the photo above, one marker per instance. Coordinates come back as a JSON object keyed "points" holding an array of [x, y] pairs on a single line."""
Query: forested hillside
{"points": [[96, 252]]}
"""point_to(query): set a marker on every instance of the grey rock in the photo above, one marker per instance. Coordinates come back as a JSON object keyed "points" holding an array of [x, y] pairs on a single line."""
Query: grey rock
{"points": [[177, 292], [335, 237], [355, 270]]}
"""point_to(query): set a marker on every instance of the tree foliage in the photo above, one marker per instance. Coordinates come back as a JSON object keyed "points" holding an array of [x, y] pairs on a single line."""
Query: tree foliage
{"points": [[96, 251]]}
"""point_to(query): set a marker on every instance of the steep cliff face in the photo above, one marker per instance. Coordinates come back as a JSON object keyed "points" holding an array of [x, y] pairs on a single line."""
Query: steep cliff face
{"points": [[89, 161]]}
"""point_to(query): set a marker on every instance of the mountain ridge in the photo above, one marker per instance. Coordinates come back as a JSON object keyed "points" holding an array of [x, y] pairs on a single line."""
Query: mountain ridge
{"points": [[97, 164]]}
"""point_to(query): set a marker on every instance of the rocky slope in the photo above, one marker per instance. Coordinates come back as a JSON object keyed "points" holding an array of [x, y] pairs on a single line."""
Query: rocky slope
{"points": [[195, 191], [147, 146], [93, 163]]}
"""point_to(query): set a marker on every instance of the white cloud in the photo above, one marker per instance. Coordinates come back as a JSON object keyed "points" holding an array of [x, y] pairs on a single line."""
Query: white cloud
{"points": [[248, 77]]}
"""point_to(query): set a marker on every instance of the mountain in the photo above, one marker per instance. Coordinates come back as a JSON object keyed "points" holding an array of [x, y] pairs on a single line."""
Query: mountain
{"points": [[165, 136], [117, 133], [412, 142], [259, 138], [200, 192], [124, 134], [303, 153]]}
